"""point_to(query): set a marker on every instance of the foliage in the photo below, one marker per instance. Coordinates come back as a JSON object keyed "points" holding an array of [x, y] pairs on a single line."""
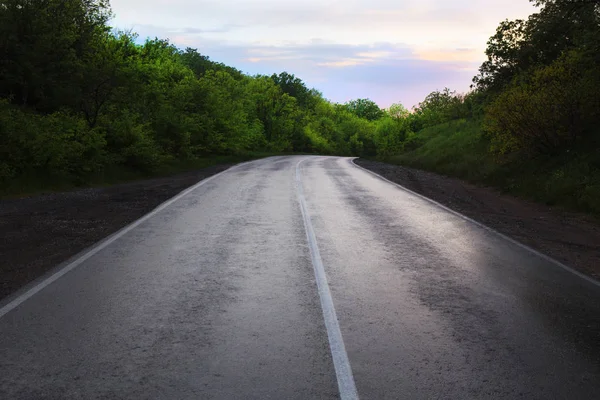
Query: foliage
{"points": [[439, 107], [77, 99], [397, 111], [365, 108], [522, 45], [459, 149], [45, 47], [454, 148], [294, 87], [391, 133], [552, 111], [542, 80], [530, 126], [59, 144]]}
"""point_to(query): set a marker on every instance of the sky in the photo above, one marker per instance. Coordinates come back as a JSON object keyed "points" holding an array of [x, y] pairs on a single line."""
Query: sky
{"points": [[387, 50]]}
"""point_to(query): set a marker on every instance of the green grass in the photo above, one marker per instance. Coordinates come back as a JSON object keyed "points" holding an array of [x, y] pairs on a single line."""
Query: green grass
{"points": [[454, 149], [39, 184], [457, 149]]}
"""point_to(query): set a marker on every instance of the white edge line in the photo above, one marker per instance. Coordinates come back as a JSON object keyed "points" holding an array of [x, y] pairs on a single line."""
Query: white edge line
{"points": [[343, 370], [104, 243], [513, 241]]}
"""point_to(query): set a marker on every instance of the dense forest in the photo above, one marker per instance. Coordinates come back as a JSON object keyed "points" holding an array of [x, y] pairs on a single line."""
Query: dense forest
{"points": [[81, 103]]}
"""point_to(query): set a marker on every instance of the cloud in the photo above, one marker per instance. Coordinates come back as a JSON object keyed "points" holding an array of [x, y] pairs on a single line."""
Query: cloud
{"points": [[344, 63], [196, 31], [189, 33], [448, 54], [404, 80], [322, 54], [388, 50], [384, 72], [352, 22]]}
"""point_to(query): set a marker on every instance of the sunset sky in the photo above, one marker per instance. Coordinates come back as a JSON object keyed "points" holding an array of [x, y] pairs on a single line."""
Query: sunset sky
{"points": [[387, 50]]}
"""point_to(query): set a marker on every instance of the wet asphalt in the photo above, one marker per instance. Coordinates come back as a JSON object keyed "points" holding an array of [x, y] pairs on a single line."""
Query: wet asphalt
{"points": [[215, 297]]}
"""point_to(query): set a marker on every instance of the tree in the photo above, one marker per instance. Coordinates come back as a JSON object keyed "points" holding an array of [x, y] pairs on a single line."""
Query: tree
{"points": [[44, 46], [548, 113], [439, 107], [506, 52], [294, 87], [196, 61], [77, 98], [281, 117], [522, 45], [200, 64], [398, 112], [365, 108]]}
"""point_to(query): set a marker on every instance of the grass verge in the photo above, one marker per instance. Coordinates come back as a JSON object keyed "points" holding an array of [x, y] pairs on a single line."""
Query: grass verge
{"points": [[458, 149]]}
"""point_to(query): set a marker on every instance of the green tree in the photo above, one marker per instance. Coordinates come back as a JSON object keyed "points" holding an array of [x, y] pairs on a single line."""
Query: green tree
{"points": [[294, 87], [78, 99], [44, 46], [398, 111], [365, 108], [439, 107], [552, 111], [520, 46]]}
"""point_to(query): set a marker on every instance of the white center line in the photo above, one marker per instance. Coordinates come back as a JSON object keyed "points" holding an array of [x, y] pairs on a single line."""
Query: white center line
{"points": [[343, 371]]}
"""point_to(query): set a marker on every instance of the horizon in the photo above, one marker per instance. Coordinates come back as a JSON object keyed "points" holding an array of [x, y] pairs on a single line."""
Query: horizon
{"points": [[387, 51]]}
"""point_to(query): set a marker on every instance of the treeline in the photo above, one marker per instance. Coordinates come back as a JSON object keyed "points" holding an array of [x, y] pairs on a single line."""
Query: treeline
{"points": [[539, 90], [542, 80], [531, 123], [77, 99]]}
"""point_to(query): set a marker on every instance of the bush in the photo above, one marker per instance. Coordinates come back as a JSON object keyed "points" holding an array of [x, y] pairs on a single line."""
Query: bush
{"points": [[131, 143], [554, 109], [455, 148], [390, 135], [58, 144]]}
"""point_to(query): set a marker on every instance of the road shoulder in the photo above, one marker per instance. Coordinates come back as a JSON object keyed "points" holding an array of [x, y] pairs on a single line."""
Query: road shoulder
{"points": [[39, 232], [571, 238]]}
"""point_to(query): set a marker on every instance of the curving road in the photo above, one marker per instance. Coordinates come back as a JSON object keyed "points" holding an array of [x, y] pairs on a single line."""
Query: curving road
{"points": [[299, 278]]}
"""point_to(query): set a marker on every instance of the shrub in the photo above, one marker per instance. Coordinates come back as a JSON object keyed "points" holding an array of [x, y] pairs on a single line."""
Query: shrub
{"points": [[554, 109]]}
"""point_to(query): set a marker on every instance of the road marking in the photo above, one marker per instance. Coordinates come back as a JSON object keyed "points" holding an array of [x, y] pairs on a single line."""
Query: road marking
{"points": [[103, 244], [343, 371], [513, 241]]}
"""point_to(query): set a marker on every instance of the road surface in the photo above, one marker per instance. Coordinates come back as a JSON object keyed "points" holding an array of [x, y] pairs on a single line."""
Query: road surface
{"points": [[299, 278]]}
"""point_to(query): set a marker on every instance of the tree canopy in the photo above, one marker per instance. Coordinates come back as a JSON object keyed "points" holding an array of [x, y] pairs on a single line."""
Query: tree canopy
{"points": [[78, 99], [365, 108]]}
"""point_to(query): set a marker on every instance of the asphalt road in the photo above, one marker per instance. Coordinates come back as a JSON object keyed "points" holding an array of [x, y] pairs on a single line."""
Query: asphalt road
{"points": [[295, 281]]}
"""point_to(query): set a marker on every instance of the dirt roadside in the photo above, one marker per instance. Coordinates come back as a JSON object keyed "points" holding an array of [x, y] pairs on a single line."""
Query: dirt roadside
{"points": [[39, 232], [571, 238]]}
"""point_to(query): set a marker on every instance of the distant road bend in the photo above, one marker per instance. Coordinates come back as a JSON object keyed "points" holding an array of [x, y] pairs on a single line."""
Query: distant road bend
{"points": [[303, 278]]}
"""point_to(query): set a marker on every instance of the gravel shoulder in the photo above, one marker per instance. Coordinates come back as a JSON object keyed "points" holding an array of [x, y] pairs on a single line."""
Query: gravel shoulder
{"points": [[569, 237], [37, 233]]}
